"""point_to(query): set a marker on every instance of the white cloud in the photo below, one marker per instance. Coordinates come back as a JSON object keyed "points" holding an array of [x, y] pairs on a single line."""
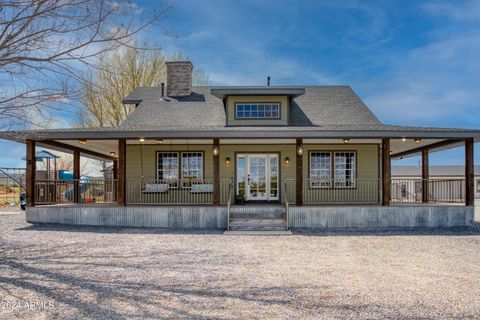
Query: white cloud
{"points": [[467, 11]]}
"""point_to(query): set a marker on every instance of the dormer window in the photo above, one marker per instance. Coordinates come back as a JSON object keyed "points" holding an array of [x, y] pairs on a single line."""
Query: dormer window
{"points": [[270, 110]]}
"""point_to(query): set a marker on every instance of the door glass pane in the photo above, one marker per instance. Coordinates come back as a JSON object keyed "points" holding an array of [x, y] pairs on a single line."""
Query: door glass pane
{"points": [[241, 175], [273, 176], [258, 178]]}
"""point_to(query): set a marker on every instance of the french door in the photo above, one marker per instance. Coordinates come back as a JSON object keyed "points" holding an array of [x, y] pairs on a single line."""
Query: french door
{"points": [[257, 176]]}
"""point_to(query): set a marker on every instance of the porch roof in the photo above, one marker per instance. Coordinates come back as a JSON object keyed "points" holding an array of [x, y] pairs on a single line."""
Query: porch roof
{"points": [[103, 141], [262, 132]]}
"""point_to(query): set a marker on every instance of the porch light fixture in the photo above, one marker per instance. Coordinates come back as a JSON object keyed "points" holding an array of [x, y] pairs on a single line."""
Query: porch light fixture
{"points": [[141, 139], [112, 153], [391, 152], [82, 141], [216, 150], [287, 160], [159, 141], [300, 149], [227, 160], [418, 140], [346, 140], [404, 139]]}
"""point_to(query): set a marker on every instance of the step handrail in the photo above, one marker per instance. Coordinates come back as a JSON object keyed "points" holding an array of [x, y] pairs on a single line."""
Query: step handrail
{"points": [[229, 204], [286, 204]]}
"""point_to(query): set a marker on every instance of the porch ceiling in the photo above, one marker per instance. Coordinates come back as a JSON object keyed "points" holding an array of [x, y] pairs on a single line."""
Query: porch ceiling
{"points": [[94, 149], [105, 147]]}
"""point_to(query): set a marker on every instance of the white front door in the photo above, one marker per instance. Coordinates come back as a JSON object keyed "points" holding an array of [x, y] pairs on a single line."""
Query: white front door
{"points": [[257, 176]]}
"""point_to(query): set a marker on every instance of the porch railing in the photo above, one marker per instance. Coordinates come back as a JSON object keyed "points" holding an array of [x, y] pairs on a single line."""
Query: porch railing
{"points": [[62, 191], [197, 191], [428, 190], [341, 191]]}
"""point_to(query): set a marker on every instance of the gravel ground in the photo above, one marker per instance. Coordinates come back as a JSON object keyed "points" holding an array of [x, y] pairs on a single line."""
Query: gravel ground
{"points": [[88, 272]]}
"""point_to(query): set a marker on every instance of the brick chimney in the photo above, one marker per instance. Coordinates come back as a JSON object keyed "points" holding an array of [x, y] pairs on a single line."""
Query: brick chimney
{"points": [[179, 78]]}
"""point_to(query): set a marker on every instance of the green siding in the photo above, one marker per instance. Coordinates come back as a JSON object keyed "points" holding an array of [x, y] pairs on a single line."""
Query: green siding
{"points": [[367, 164]]}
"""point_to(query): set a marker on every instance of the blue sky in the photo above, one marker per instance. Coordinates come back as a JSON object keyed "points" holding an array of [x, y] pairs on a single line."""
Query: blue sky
{"points": [[412, 62]]}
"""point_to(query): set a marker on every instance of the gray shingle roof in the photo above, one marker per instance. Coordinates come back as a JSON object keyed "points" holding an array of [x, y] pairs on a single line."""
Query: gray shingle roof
{"points": [[319, 106], [323, 111]]}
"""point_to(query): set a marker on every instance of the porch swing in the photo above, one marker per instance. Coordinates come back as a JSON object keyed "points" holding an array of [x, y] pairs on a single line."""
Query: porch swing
{"points": [[154, 187]]}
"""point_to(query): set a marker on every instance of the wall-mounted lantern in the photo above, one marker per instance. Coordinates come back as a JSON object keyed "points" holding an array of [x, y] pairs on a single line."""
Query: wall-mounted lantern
{"points": [[287, 160], [216, 150], [300, 149]]}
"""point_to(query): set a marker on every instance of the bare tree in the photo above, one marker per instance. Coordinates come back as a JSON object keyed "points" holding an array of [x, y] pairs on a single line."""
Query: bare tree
{"points": [[48, 47], [120, 73]]}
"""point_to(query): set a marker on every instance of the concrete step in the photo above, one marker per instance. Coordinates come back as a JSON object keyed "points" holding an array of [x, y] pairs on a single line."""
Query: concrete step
{"points": [[246, 209], [258, 233], [262, 215], [258, 228], [254, 222]]}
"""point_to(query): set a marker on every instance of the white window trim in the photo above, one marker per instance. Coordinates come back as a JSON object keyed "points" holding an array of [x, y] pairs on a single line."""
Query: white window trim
{"points": [[277, 104], [333, 177], [323, 184], [353, 176]]}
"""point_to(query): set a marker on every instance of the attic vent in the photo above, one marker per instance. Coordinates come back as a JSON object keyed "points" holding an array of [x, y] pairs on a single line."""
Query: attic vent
{"points": [[179, 78]]}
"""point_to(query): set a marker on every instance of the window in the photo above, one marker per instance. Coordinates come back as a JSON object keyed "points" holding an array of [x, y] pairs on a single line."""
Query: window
{"points": [[326, 167], [320, 169], [171, 168], [167, 166], [344, 169], [257, 110], [192, 165]]}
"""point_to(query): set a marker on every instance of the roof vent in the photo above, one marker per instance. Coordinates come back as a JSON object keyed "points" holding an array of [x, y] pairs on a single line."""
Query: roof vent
{"points": [[179, 78], [162, 92], [268, 81]]}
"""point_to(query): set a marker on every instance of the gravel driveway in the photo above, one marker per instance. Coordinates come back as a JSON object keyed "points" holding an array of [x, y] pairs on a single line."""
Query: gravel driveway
{"points": [[88, 272]]}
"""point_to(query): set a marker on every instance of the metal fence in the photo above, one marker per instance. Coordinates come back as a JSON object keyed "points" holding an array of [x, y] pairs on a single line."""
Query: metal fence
{"points": [[12, 182], [62, 191], [428, 190], [198, 191], [336, 191]]}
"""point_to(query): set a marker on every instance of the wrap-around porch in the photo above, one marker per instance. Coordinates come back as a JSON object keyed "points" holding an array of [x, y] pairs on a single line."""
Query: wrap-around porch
{"points": [[279, 183], [292, 172]]}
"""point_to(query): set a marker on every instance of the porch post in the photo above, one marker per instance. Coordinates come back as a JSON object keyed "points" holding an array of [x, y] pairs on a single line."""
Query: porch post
{"points": [[299, 175], [386, 172], [115, 178], [121, 179], [469, 173], [425, 175], [31, 170], [115, 169], [76, 176], [216, 175]]}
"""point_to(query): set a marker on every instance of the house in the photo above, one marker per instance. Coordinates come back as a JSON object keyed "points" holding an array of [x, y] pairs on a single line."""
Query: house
{"points": [[408, 185], [246, 158]]}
